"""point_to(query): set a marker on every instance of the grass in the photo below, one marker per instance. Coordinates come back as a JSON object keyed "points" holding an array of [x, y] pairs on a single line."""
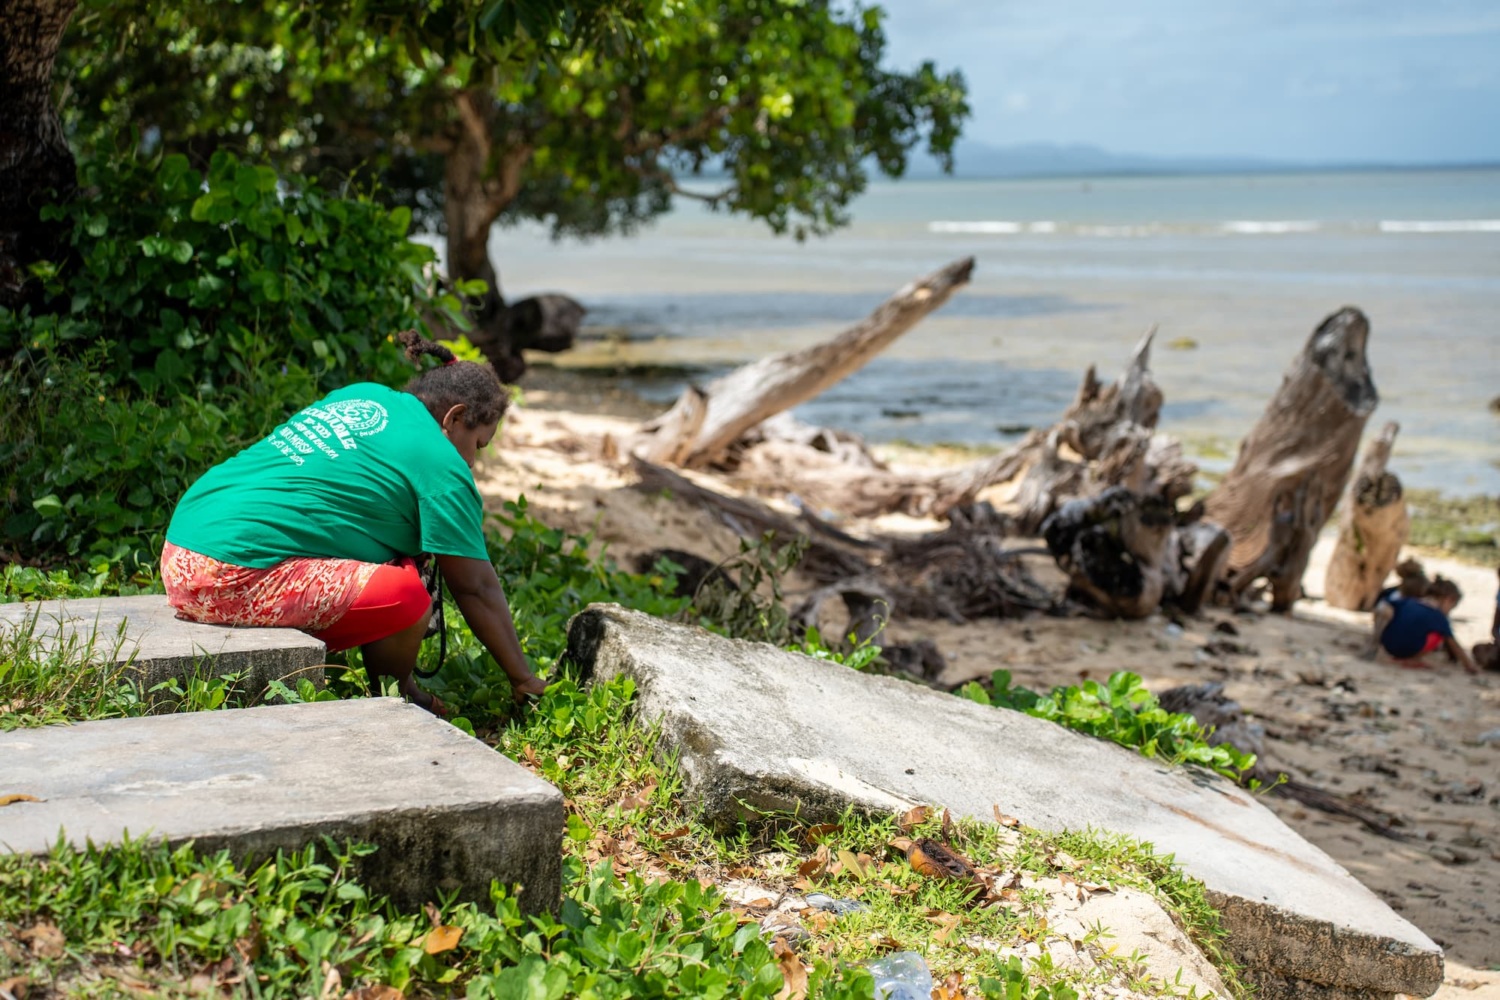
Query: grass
{"points": [[656, 903], [647, 912], [1466, 528]]}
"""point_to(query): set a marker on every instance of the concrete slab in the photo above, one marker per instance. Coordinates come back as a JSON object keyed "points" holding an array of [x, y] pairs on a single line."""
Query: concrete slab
{"points": [[144, 635], [760, 729], [446, 811]]}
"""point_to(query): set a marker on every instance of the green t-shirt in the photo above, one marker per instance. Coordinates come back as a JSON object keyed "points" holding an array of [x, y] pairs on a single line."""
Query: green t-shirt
{"points": [[365, 473]]}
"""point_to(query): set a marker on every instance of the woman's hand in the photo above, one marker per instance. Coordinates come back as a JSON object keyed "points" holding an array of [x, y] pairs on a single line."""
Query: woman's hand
{"points": [[530, 688]]}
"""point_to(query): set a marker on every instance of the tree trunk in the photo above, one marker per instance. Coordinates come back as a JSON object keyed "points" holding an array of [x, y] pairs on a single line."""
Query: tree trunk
{"points": [[748, 395], [482, 174], [1296, 460], [36, 166], [1372, 530]]}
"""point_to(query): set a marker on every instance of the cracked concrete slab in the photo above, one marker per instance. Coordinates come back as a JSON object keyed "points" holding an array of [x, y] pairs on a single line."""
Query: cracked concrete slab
{"points": [[447, 812], [760, 729], [142, 634]]}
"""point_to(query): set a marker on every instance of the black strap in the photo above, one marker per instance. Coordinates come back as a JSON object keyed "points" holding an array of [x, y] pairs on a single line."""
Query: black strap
{"points": [[442, 624]]}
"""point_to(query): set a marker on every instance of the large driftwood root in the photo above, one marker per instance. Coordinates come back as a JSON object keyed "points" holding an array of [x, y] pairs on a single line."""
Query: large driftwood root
{"points": [[1372, 530], [1294, 464]]}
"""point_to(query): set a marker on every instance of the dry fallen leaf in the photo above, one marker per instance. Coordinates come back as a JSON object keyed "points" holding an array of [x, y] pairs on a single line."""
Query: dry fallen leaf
{"points": [[793, 973], [951, 988], [815, 865], [913, 817], [884, 943], [1004, 820], [852, 862], [442, 938], [380, 992], [45, 940], [681, 831], [640, 799], [15, 987], [902, 844], [817, 832], [7, 800], [333, 981], [945, 921]]}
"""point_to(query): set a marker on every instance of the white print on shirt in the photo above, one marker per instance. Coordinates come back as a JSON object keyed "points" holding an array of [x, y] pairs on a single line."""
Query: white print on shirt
{"points": [[316, 425], [285, 449]]}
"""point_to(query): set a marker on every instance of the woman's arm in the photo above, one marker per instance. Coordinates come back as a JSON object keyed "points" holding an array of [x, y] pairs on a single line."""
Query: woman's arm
{"points": [[477, 590]]}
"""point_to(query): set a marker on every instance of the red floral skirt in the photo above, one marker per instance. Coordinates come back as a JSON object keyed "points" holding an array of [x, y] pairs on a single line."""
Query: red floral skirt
{"points": [[344, 602]]}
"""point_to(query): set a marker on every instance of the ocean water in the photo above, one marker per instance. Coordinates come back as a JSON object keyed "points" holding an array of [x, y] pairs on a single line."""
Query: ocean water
{"points": [[1235, 271]]}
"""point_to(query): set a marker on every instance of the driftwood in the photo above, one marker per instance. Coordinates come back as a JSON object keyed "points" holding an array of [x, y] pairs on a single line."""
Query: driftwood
{"points": [[749, 394], [1295, 462], [1372, 529], [1105, 438], [1126, 553], [962, 572]]}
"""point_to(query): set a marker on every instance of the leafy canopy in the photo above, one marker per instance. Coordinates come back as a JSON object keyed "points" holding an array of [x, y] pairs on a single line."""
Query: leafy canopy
{"points": [[784, 103]]}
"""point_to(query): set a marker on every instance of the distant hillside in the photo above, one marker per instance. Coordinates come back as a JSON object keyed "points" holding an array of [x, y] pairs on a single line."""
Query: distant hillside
{"points": [[1044, 159]]}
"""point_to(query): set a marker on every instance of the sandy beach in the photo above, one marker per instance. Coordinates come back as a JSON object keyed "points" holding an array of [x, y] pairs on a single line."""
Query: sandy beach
{"points": [[1422, 746]]}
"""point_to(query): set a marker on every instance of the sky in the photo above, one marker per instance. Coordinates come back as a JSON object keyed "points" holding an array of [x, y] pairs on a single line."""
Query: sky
{"points": [[1349, 81]]}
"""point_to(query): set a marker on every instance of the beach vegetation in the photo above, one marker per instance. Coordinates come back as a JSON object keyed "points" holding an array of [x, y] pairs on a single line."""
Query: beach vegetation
{"points": [[771, 110], [656, 902], [1466, 528]]}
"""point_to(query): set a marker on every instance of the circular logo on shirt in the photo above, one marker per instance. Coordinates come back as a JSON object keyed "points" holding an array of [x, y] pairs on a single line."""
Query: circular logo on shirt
{"points": [[362, 416]]}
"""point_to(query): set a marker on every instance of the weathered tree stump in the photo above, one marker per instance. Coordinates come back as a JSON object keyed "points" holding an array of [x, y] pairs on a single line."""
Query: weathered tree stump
{"points": [[1372, 529], [1294, 464]]}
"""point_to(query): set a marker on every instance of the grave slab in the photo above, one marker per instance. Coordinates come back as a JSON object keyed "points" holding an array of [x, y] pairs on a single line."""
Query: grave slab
{"points": [[143, 634], [760, 729], [446, 811]]}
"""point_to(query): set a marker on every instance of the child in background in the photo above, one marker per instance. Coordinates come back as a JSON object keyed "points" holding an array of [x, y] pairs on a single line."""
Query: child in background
{"points": [[1408, 628]]}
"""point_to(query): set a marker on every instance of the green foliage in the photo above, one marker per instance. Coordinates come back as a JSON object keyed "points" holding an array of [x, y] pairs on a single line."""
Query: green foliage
{"points": [[156, 916], [747, 600], [788, 101], [187, 279], [194, 313], [1121, 710]]}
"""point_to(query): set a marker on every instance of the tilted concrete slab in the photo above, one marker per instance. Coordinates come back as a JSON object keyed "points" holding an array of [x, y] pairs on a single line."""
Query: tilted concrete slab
{"points": [[446, 811], [144, 634], [760, 729]]}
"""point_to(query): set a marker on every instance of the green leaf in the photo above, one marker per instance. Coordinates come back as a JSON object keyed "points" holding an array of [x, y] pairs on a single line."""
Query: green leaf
{"points": [[47, 506]]}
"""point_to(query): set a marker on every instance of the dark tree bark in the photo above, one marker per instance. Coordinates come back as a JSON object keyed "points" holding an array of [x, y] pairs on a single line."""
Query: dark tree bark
{"points": [[36, 166], [482, 174], [1294, 464]]}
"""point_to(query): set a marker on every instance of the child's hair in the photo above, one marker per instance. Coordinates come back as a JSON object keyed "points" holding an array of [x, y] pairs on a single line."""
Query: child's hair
{"points": [[453, 381], [1443, 589], [1414, 581]]}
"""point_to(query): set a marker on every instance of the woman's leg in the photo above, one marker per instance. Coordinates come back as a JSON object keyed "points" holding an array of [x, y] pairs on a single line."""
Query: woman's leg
{"points": [[395, 656]]}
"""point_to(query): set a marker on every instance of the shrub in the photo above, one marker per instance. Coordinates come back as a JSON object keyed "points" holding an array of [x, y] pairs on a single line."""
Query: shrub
{"points": [[194, 312], [181, 276]]}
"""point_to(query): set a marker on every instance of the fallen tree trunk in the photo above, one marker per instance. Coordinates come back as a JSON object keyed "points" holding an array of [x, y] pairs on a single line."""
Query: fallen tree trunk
{"points": [[959, 573], [1294, 464], [1372, 530], [750, 394]]}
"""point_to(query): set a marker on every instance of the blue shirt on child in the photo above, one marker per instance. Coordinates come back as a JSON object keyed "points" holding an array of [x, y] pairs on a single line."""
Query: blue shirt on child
{"points": [[1414, 620]]}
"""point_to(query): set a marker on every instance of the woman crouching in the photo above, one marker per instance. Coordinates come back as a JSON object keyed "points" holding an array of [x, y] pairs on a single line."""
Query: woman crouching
{"points": [[319, 526]]}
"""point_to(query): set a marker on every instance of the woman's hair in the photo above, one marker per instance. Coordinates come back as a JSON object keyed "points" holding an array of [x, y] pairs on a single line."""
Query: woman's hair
{"points": [[1414, 582], [452, 382], [1443, 589]]}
